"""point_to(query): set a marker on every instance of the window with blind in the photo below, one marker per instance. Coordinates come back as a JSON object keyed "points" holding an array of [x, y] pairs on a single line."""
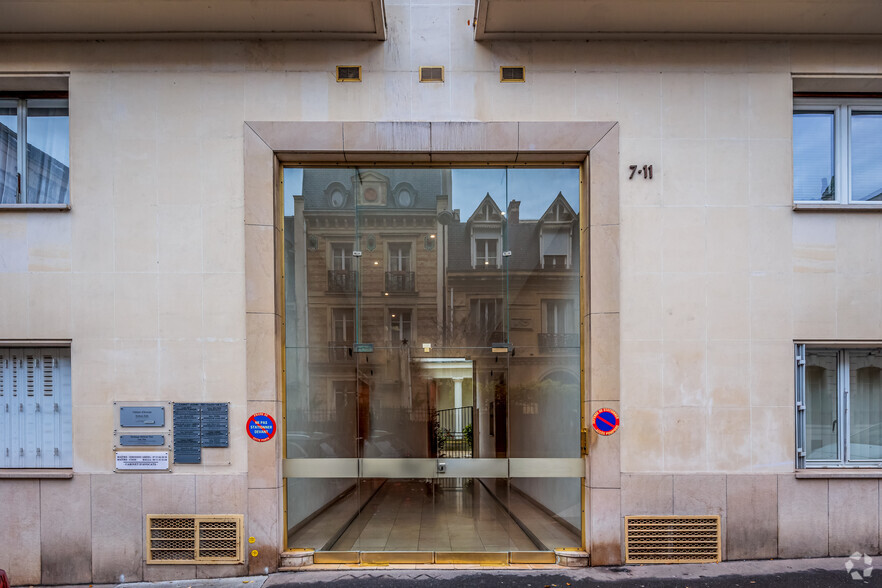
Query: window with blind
{"points": [[839, 407], [556, 246], [35, 408]]}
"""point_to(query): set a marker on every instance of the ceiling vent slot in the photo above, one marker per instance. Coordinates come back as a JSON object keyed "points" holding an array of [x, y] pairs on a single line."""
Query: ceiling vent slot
{"points": [[672, 539], [348, 73], [189, 539], [432, 74], [512, 73]]}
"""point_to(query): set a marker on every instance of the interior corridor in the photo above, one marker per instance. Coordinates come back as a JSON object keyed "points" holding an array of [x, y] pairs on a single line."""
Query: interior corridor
{"points": [[452, 514]]}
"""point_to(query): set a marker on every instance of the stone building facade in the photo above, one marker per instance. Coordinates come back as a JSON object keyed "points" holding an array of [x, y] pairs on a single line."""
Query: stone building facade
{"points": [[714, 291]]}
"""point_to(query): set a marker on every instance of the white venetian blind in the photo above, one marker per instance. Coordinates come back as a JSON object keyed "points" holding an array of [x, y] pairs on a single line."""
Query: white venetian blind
{"points": [[35, 408], [555, 242]]}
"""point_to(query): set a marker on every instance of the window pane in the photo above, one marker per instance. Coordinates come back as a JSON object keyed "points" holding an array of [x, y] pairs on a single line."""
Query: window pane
{"points": [[813, 156], [399, 325], [8, 151], [48, 154], [866, 156], [822, 437], [399, 272], [865, 380]]}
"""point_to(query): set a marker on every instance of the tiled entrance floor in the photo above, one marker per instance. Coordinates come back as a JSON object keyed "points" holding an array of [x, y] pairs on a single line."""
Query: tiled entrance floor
{"points": [[416, 515], [425, 515]]}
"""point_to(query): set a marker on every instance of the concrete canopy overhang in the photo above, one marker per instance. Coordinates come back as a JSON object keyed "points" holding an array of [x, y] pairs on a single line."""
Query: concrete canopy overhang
{"points": [[557, 20], [193, 19]]}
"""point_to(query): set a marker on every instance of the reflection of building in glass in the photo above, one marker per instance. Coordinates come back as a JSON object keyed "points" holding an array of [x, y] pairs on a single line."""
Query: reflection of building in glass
{"points": [[48, 178], [512, 284], [379, 266], [362, 250]]}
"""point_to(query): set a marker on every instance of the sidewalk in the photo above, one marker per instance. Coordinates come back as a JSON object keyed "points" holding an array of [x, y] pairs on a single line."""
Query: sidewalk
{"points": [[796, 573]]}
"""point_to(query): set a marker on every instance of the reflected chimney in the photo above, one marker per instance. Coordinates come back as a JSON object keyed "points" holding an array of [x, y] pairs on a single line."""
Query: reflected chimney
{"points": [[513, 212]]}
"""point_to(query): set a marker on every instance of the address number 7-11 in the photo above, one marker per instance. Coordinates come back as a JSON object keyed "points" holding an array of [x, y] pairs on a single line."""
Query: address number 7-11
{"points": [[645, 171]]}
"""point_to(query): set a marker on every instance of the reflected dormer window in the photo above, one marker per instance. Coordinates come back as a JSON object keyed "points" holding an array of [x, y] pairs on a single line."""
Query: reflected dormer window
{"points": [[557, 233], [337, 199], [336, 195], [485, 228], [485, 253], [556, 246], [404, 195]]}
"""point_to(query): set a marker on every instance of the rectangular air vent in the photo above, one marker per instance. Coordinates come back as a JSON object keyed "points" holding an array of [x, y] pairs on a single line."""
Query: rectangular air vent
{"points": [[188, 539], [513, 73], [432, 74], [348, 73], [672, 539]]}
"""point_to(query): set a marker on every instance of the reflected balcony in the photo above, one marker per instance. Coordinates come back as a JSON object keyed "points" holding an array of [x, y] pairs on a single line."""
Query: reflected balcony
{"points": [[342, 280], [399, 281], [552, 341]]}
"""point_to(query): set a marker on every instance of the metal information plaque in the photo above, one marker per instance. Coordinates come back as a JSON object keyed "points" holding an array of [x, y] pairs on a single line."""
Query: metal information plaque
{"points": [[142, 416], [187, 432], [198, 425], [141, 440], [215, 425], [142, 460]]}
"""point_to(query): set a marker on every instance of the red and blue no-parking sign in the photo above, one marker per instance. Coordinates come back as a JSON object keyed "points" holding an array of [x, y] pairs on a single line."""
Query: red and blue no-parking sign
{"points": [[261, 427], [605, 421]]}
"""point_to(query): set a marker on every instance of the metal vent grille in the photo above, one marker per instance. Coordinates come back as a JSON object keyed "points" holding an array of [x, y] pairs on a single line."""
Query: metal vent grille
{"points": [[204, 539], [512, 74], [672, 539], [432, 74], [348, 73]]}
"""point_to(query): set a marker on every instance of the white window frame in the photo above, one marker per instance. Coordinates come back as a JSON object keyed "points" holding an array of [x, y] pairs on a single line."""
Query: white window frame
{"points": [[36, 420], [563, 310], [842, 110], [344, 318], [397, 260], [560, 231], [484, 255], [346, 258], [22, 149], [486, 311], [843, 401], [400, 319]]}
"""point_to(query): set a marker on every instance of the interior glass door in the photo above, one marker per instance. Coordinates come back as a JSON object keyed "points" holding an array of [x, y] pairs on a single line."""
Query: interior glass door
{"points": [[432, 360]]}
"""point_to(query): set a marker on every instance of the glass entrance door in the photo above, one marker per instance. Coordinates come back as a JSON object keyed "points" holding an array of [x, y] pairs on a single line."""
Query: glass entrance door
{"points": [[432, 360]]}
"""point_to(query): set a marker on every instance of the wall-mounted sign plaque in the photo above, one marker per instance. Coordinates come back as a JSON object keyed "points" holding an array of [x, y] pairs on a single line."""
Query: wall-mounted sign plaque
{"points": [[198, 425], [142, 460], [141, 440], [261, 427], [605, 421], [141, 416], [215, 424]]}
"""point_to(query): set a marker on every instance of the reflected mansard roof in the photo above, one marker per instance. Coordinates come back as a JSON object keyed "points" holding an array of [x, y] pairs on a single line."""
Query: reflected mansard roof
{"points": [[522, 235], [427, 183]]}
